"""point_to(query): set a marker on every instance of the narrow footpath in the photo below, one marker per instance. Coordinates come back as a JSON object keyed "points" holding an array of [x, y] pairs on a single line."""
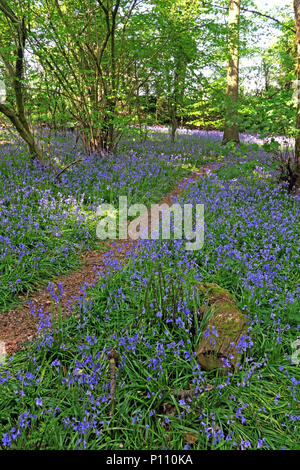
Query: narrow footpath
{"points": [[19, 326]]}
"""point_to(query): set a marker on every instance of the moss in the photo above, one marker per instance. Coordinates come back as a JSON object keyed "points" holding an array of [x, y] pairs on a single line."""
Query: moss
{"points": [[227, 316], [223, 312], [214, 291], [229, 322]]}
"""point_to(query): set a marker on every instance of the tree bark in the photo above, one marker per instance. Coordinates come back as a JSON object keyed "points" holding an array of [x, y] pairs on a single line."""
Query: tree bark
{"points": [[18, 117], [219, 347], [176, 101], [297, 136], [23, 131], [231, 133], [174, 121]]}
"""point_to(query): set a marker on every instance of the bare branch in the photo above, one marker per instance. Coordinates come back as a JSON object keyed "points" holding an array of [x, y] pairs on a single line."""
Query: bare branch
{"points": [[68, 166]]}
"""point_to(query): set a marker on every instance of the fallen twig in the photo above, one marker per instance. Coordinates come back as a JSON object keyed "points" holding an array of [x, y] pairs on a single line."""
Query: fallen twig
{"points": [[113, 361], [189, 394], [68, 166]]}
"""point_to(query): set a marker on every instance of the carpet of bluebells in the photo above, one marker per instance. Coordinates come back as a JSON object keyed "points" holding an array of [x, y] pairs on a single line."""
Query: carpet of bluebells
{"points": [[45, 221], [56, 393]]}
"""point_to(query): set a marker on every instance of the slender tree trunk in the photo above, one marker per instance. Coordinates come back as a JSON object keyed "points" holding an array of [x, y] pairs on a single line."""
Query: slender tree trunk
{"points": [[23, 132], [177, 99], [266, 72], [174, 121], [231, 132], [17, 116], [297, 137]]}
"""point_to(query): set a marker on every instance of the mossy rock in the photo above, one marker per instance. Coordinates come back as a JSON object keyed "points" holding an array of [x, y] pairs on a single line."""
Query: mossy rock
{"points": [[225, 327]]}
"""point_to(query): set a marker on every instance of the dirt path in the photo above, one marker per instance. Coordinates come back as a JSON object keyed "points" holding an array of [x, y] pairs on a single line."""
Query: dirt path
{"points": [[18, 325]]}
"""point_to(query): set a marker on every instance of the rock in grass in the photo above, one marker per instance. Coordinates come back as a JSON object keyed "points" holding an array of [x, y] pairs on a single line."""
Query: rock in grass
{"points": [[225, 327]]}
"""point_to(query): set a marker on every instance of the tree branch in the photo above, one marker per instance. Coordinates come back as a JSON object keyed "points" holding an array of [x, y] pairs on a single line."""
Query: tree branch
{"points": [[258, 13], [68, 166]]}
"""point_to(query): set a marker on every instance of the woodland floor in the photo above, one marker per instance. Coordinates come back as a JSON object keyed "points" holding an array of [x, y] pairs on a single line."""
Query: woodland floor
{"points": [[62, 321], [18, 325]]}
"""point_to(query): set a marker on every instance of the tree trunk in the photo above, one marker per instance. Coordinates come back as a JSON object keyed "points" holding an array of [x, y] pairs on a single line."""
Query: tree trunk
{"points": [[266, 73], [23, 131], [297, 137], [231, 133], [219, 347], [18, 117], [174, 121], [178, 91], [100, 140]]}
